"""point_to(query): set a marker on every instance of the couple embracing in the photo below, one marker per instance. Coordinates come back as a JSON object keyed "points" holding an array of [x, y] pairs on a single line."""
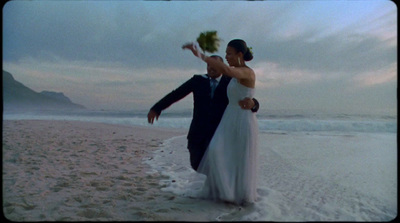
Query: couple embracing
{"points": [[222, 138]]}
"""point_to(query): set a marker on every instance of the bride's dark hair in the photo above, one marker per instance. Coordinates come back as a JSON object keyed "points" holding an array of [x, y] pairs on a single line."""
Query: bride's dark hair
{"points": [[241, 46]]}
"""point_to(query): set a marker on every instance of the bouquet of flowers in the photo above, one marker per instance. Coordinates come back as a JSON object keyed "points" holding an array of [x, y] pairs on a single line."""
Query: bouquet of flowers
{"points": [[208, 41]]}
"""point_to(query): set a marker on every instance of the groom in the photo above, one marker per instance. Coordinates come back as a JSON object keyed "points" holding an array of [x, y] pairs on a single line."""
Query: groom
{"points": [[209, 106]]}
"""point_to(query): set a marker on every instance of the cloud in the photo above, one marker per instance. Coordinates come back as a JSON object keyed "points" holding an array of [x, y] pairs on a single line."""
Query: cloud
{"points": [[127, 53], [272, 75], [137, 34], [148, 34], [95, 84], [349, 37], [382, 76], [338, 53]]}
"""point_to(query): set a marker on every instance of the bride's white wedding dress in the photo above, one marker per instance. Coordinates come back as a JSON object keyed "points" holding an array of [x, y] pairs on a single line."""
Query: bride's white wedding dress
{"points": [[230, 159]]}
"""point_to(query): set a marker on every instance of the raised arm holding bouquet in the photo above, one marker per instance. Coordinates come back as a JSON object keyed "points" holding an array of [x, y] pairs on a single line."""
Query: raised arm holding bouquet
{"points": [[235, 58], [209, 42]]}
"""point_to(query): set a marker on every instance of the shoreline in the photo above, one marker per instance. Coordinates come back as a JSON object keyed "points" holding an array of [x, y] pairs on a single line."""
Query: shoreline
{"points": [[80, 171]]}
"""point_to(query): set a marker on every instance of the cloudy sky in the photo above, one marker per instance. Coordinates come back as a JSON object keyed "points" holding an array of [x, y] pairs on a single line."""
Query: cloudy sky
{"points": [[318, 56]]}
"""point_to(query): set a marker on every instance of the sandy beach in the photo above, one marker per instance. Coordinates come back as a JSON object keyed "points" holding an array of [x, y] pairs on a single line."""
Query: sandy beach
{"points": [[88, 171], [82, 171]]}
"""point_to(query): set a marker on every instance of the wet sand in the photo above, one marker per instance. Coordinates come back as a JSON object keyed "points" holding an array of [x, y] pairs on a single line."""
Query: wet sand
{"points": [[82, 171]]}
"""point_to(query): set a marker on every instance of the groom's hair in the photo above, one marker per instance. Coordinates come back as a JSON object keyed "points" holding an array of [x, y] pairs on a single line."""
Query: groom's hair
{"points": [[216, 56]]}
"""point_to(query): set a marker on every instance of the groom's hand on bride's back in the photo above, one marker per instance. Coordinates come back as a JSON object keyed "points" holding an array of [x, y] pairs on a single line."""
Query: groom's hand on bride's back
{"points": [[249, 104], [151, 115], [246, 103]]}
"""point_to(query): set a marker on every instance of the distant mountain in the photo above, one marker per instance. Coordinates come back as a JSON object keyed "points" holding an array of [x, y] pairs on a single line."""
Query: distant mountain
{"points": [[18, 97], [56, 95]]}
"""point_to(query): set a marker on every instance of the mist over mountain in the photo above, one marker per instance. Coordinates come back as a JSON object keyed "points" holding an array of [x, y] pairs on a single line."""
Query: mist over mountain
{"points": [[19, 98], [56, 95]]}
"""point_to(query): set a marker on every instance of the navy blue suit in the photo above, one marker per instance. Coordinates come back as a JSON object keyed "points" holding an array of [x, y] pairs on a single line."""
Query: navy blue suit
{"points": [[207, 111]]}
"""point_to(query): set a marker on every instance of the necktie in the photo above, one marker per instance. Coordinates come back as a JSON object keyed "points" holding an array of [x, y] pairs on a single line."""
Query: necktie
{"points": [[213, 86]]}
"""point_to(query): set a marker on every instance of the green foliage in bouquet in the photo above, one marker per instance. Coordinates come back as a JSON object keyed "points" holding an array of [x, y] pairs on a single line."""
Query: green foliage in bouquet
{"points": [[208, 41]]}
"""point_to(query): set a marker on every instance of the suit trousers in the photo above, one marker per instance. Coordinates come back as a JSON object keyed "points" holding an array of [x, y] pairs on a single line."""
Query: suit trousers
{"points": [[197, 150]]}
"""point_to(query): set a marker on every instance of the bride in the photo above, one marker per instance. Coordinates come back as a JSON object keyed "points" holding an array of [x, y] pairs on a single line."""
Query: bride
{"points": [[230, 159]]}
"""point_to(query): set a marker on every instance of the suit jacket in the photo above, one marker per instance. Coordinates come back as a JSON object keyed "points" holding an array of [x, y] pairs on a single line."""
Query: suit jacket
{"points": [[207, 111]]}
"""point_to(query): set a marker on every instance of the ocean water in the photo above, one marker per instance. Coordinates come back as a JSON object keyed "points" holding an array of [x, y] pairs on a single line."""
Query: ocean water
{"points": [[268, 122], [331, 168], [311, 167]]}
